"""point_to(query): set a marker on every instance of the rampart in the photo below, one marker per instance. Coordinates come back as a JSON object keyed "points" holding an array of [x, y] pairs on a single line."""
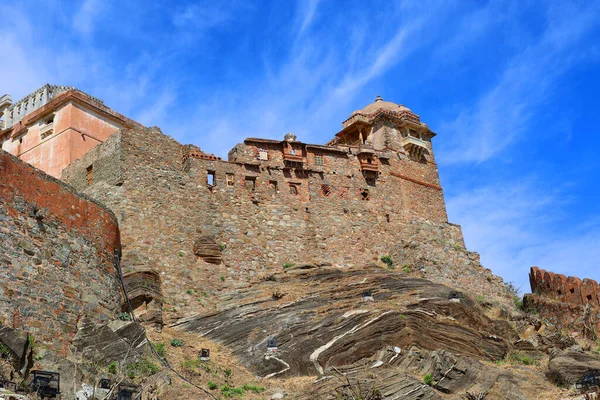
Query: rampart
{"points": [[567, 289], [566, 300], [56, 254], [260, 214]]}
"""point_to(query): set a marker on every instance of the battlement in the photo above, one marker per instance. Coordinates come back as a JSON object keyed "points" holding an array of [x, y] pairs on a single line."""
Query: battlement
{"points": [[567, 289], [13, 113]]}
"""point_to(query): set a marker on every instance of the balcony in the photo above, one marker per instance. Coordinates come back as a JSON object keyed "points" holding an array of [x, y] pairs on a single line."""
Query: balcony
{"points": [[414, 146], [365, 166], [293, 160]]}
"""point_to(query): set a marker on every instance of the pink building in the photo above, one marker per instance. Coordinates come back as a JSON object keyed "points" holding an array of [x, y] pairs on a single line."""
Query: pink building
{"points": [[56, 125]]}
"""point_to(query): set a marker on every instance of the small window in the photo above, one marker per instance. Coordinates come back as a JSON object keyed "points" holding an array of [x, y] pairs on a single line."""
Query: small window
{"points": [[263, 155], [572, 290], [589, 297], [364, 194], [292, 152], [250, 182], [210, 178], [90, 174], [230, 179], [319, 159], [293, 189], [50, 120], [325, 190]]}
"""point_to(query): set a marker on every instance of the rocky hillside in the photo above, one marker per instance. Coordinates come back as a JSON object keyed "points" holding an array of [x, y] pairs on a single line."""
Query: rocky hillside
{"points": [[388, 335]]}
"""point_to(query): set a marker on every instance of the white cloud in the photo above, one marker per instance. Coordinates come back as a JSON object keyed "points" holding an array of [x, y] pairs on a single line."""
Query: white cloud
{"points": [[84, 19], [516, 225], [501, 115], [307, 14]]}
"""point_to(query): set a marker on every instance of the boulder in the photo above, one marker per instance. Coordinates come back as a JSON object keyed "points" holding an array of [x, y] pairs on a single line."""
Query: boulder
{"points": [[567, 367]]}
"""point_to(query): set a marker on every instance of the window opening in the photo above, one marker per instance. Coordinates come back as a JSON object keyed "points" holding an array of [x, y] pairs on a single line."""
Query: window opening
{"points": [[325, 190], [364, 193], [263, 155], [293, 189], [90, 174], [319, 160], [230, 179], [210, 178], [572, 290]]}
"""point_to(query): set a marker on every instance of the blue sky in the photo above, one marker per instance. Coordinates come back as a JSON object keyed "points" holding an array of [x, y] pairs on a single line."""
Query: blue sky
{"points": [[511, 88]]}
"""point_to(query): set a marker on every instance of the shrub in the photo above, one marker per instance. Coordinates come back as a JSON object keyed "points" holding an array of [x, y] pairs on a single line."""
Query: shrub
{"points": [[211, 385], [4, 350], [124, 316], [518, 302], [428, 379], [177, 343], [112, 368], [230, 391], [387, 259], [406, 269], [160, 349], [222, 246], [253, 388], [288, 265], [521, 359], [189, 291], [228, 372], [144, 367], [222, 278]]}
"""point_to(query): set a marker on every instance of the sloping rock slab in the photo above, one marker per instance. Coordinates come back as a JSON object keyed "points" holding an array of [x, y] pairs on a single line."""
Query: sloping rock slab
{"points": [[566, 368], [324, 321]]}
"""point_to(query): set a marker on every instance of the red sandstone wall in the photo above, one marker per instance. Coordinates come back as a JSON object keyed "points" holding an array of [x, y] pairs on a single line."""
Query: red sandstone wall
{"points": [[56, 256], [566, 289]]}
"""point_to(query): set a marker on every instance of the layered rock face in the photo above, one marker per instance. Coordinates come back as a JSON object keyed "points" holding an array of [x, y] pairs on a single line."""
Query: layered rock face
{"points": [[370, 329]]}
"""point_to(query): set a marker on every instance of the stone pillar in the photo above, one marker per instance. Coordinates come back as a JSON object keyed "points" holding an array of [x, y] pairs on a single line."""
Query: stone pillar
{"points": [[45, 94]]}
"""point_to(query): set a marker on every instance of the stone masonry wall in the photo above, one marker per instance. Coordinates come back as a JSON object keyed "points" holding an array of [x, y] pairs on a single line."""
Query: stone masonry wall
{"points": [[567, 301], [164, 206], [565, 289], [56, 254]]}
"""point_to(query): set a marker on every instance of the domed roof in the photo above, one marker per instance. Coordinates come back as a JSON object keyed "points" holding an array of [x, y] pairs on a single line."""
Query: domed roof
{"points": [[380, 104]]}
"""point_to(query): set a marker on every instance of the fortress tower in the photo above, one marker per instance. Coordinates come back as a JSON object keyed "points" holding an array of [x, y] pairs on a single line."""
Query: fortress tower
{"points": [[56, 125]]}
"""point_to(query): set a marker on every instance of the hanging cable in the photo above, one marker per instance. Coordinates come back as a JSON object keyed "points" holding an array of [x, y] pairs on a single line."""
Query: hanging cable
{"points": [[163, 361]]}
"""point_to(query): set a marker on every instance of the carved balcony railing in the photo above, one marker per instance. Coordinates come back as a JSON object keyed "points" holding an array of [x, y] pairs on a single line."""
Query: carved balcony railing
{"points": [[414, 146]]}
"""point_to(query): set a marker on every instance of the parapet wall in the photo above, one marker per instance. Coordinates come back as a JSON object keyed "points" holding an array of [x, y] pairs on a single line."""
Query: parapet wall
{"points": [[567, 289], [568, 302], [56, 254]]}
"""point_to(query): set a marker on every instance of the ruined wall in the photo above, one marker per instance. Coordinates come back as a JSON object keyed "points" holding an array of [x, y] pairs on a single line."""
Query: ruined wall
{"points": [[568, 301], [56, 254], [165, 205], [565, 289]]}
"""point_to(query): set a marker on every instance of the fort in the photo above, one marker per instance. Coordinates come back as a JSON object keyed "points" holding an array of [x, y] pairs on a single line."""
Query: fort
{"points": [[276, 244]]}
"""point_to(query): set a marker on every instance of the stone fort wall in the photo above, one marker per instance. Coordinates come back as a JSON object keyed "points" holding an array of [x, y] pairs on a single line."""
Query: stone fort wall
{"points": [[567, 289], [56, 254], [165, 205], [567, 301]]}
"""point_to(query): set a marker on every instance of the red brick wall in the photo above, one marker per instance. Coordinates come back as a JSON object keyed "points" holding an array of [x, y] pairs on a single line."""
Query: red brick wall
{"points": [[566, 289], [56, 254]]}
